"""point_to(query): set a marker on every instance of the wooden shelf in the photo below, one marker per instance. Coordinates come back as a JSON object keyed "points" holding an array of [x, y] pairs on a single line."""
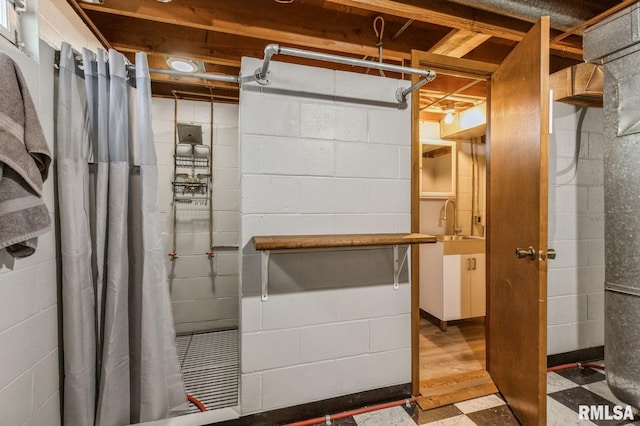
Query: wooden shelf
{"points": [[344, 241], [288, 242]]}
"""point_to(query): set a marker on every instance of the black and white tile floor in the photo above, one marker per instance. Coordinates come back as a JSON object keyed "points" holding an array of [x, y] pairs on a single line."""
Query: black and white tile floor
{"points": [[566, 391]]}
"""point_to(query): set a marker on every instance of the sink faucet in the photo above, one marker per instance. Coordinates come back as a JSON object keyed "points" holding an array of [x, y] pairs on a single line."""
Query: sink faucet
{"points": [[456, 230]]}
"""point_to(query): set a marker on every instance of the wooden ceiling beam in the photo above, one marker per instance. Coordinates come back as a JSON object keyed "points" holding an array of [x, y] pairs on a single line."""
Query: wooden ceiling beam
{"points": [[458, 43], [89, 23], [127, 35], [460, 67], [297, 24], [457, 16]]}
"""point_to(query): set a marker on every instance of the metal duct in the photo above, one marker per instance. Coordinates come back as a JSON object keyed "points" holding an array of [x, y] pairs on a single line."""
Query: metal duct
{"points": [[564, 15], [614, 41]]}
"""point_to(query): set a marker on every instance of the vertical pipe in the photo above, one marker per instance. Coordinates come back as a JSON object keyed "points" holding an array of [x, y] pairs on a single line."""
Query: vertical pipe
{"points": [[211, 183], [474, 182], [175, 169]]}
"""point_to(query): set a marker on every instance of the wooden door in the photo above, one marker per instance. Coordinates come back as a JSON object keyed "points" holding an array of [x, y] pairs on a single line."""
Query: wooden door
{"points": [[517, 218]]}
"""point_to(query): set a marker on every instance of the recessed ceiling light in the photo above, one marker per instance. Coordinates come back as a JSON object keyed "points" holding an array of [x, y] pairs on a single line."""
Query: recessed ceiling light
{"points": [[283, 1], [164, 1], [184, 65], [448, 118]]}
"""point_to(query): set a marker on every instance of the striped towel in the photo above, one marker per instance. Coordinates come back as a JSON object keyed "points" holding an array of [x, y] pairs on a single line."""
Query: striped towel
{"points": [[24, 165], [23, 215]]}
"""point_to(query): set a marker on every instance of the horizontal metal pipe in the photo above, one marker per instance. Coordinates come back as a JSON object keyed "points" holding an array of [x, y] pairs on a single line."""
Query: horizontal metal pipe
{"points": [[401, 94], [200, 75], [354, 61]]}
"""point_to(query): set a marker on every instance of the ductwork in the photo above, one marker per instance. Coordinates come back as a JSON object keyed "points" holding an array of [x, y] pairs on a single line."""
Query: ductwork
{"points": [[614, 42], [563, 14], [580, 84]]}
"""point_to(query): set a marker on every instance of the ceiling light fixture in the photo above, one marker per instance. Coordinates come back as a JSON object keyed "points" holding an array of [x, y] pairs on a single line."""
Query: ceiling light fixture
{"points": [[449, 109], [284, 1], [448, 118], [184, 65], [164, 1]]}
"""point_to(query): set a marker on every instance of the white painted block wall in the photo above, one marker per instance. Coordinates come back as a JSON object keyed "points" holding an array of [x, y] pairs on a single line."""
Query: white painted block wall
{"points": [[204, 292], [29, 372], [576, 230], [322, 152]]}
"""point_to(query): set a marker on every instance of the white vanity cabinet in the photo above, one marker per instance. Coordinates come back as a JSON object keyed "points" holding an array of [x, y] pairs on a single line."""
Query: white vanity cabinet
{"points": [[452, 280]]}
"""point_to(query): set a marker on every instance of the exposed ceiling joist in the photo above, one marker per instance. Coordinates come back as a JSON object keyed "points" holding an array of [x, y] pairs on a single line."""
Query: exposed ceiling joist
{"points": [[458, 43], [457, 16], [221, 32], [339, 32]]}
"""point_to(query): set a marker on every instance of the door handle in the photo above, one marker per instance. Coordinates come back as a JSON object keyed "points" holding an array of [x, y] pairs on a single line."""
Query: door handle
{"points": [[468, 263], [474, 263], [522, 253]]}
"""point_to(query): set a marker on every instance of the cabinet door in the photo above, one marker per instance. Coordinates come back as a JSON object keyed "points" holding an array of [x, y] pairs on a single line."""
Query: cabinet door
{"points": [[478, 287], [432, 279], [456, 306]]}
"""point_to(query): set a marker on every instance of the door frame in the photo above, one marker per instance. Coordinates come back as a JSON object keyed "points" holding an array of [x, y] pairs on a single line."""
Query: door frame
{"points": [[443, 65]]}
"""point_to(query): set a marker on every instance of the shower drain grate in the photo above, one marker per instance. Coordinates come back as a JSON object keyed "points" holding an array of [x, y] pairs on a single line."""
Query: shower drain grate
{"points": [[210, 370]]}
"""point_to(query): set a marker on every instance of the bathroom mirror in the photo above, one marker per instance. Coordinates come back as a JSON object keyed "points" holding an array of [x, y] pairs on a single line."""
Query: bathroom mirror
{"points": [[437, 169]]}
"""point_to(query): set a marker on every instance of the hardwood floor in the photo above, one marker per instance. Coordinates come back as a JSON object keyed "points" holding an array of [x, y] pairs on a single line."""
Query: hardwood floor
{"points": [[452, 363], [458, 350]]}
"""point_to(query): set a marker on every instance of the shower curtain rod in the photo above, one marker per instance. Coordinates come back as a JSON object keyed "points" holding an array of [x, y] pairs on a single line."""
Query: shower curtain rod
{"points": [[198, 75], [262, 73]]}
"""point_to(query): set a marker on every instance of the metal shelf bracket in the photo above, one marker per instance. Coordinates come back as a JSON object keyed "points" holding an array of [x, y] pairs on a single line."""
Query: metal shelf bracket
{"points": [[398, 264], [265, 275]]}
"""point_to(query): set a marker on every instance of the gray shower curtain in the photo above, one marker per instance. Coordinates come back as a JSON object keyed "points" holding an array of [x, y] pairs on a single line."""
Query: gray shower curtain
{"points": [[120, 358]]}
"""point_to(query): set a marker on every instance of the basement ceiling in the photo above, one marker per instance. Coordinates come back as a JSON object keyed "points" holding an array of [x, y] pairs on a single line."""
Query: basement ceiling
{"points": [[220, 32]]}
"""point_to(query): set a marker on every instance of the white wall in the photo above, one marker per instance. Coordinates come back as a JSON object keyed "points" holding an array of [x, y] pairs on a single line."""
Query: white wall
{"points": [[29, 378], [58, 22], [576, 230], [204, 291], [322, 152]]}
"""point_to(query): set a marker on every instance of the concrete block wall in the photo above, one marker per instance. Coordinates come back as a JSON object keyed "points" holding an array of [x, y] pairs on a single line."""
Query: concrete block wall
{"points": [[576, 230], [322, 152], [29, 366], [204, 292]]}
